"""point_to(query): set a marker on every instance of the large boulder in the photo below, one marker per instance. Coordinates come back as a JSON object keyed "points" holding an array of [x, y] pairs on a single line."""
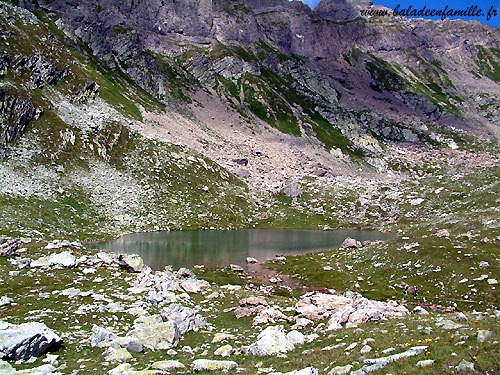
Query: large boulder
{"points": [[132, 262], [26, 340]]}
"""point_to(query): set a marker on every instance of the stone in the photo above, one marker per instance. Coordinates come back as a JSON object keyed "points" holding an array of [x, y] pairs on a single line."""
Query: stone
{"points": [[296, 338], [449, 325], [379, 363], [101, 337], [425, 363], [269, 315], [224, 351], [253, 301], [8, 247], [243, 312], [184, 318], [132, 344], [64, 259], [271, 341], [340, 370], [122, 369], [304, 371], [5, 301], [483, 335], [167, 365], [220, 337], [351, 243], [131, 262], [465, 366], [293, 190], [26, 340], [484, 264], [193, 285], [366, 349], [211, 365], [251, 260], [420, 310], [20, 263], [117, 355], [442, 233], [155, 334], [236, 268], [349, 308], [302, 323]]}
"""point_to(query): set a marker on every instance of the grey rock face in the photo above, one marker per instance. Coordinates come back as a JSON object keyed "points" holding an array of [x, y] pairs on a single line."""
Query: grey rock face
{"points": [[26, 340], [15, 115]]}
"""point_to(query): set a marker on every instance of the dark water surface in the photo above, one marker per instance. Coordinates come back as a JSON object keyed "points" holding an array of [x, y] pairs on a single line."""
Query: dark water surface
{"points": [[221, 248]]}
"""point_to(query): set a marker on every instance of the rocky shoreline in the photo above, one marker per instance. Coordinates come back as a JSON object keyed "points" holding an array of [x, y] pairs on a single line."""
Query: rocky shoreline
{"points": [[154, 311]]}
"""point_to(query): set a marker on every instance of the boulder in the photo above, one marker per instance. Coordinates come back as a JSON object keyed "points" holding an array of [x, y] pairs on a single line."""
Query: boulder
{"points": [[347, 308], [26, 340], [117, 355], [131, 262], [211, 365], [351, 243], [5, 301], [269, 315], [101, 337], [184, 318], [465, 366], [167, 365], [340, 370], [271, 341], [483, 335], [155, 334], [304, 371], [64, 259], [253, 301], [8, 247], [224, 351]]}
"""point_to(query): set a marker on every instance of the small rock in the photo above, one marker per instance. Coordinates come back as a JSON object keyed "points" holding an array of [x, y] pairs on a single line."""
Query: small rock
{"points": [[425, 363], [117, 355], [211, 365], [340, 370], [224, 351], [465, 366], [167, 365], [420, 310], [483, 335], [251, 260], [366, 349], [236, 268]]}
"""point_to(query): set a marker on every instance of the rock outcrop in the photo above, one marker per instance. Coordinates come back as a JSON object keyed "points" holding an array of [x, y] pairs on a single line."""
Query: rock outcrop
{"points": [[26, 340]]}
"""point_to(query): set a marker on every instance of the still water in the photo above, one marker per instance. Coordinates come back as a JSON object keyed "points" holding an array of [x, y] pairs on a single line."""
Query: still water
{"points": [[221, 248]]}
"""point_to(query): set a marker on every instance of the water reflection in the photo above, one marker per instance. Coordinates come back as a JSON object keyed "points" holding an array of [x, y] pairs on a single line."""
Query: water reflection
{"points": [[221, 248]]}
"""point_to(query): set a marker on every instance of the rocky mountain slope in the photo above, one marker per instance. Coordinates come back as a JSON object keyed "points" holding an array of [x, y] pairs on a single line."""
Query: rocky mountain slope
{"points": [[121, 98]]}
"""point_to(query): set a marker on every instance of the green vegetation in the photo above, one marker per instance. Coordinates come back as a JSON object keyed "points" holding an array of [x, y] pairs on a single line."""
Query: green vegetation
{"points": [[488, 62]]}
